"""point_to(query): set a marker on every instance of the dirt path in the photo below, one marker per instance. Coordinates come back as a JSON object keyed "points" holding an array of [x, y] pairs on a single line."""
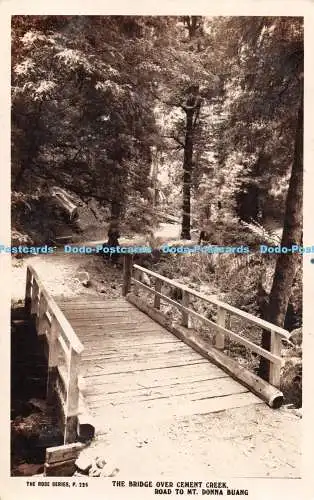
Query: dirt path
{"points": [[250, 441]]}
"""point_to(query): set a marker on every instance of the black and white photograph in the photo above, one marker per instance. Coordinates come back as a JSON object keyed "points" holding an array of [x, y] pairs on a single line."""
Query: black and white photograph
{"points": [[156, 252]]}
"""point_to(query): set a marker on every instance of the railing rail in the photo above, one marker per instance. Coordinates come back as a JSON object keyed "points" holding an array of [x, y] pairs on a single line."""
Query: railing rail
{"points": [[224, 312], [61, 339]]}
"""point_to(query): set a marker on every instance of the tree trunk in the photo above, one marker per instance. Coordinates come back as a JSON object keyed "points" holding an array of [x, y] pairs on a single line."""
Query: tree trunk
{"points": [[286, 265], [187, 176]]}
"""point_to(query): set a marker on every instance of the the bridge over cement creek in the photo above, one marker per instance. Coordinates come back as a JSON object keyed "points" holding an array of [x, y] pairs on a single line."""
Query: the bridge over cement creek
{"points": [[111, 361]]}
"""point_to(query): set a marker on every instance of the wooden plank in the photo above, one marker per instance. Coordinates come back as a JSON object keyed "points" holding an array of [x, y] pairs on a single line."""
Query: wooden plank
{"points": [[100, 314], [144, 378], [120, 339], [64, 452], [207, 389], [135, 359], [134, 383], [63, 469], [115, 348], [154, 327], [147, 351], [97, 307], [89, 321], [93, 300], [132, 344], [95, 369], [150, 411], [130, 366]]}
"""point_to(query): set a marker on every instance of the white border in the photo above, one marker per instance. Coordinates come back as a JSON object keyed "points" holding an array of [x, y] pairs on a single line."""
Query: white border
{"points": [[260, 489]]}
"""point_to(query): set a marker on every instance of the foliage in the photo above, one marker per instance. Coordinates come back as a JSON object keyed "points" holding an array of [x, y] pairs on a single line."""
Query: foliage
{"points": [[261, 64], [81, 112]]}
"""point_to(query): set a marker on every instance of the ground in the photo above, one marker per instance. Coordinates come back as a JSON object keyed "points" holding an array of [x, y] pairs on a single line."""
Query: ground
{"points": [[243, 442]]}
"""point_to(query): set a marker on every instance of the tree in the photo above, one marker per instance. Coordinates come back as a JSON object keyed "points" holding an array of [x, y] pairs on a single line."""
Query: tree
{"points": [[79, 81], [286, 265], [191, 106]]}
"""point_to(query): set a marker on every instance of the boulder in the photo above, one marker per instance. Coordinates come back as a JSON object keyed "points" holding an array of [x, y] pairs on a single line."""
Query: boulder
{"points": [[83, 278], [85, 461]]}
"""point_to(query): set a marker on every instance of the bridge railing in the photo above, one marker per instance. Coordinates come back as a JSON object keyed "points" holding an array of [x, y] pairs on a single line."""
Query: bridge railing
{"points": [[64, 350], [224, 313]]}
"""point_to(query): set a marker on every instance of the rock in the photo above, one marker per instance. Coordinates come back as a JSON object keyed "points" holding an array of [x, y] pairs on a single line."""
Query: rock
{"points": [[102, 290], [83, 278], [296, 336], [291, 381], [109, 471], [38, 404], [85, 461], [94, 471], [298, 412], [28, 469], [101, 462]]}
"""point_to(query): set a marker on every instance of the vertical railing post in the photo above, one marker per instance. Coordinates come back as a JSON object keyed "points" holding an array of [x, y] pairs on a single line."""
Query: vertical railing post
{"points": [[185, 303], [41, 312], [221, 321], [34, 306], [72, 399], [274, 369], [127, 274], [52, 360], [158, 284], [28, 292]]}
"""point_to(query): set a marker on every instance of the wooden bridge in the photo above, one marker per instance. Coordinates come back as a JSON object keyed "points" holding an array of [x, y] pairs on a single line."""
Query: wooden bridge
{"points": [[111, 361]]}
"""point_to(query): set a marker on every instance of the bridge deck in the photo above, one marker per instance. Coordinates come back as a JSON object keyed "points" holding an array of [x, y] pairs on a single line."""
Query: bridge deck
{"points": [[133, 369]]}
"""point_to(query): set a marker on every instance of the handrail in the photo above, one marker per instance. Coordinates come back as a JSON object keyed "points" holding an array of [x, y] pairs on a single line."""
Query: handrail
{"points": [[221, 327], [266, 325], [51, 321], [54, 309]]}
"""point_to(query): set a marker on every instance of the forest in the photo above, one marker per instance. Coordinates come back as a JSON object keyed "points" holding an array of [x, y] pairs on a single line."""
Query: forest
{"points": [[192, 121]]}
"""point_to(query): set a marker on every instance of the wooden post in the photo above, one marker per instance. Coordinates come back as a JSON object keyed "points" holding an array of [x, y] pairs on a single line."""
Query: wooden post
{"points": [[60, 460], [34, 306], [28, 292], [185, 303], [52, 359], [221, 321], [127, 273], [72, 399], [274, 369], [158, 289], [41, 312]]}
